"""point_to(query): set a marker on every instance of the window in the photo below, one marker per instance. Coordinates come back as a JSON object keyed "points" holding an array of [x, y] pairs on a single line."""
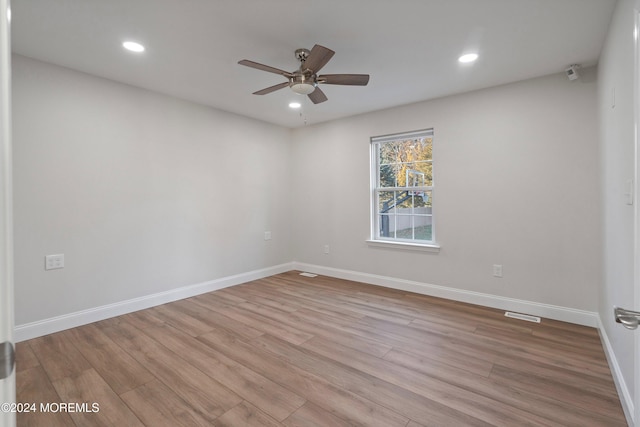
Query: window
{"points": [[402, 181]]}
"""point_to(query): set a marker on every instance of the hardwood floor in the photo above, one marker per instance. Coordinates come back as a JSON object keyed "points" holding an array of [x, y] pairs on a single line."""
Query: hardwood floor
{"points": [[291, 351]]}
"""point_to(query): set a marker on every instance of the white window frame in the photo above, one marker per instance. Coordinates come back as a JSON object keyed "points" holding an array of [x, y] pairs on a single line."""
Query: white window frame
{"points": [[376, 239]]}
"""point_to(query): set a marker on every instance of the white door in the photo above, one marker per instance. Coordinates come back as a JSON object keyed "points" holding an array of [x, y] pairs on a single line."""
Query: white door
{"points": [[7, 371], [637, 217]]}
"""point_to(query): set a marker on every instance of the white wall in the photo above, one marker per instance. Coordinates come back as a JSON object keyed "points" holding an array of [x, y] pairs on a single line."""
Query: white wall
{"points": [[517, 183], [143, 193], [617, 147]]}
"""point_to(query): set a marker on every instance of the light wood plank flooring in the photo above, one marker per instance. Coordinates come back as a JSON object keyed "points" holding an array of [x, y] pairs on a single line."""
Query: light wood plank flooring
{"points": [[295, 351]]}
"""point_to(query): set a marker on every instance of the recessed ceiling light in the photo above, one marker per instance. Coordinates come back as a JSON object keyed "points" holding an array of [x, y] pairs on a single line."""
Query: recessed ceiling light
{"points": [[295, 105], [469, 57], [133, 46]]}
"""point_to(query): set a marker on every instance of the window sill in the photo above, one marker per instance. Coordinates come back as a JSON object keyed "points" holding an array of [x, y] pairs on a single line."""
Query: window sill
{"points": [[431, 247]]}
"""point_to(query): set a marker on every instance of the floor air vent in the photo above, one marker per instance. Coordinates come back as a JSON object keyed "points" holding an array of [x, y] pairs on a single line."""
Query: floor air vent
{"points": [[520, 316], [305, 274]]}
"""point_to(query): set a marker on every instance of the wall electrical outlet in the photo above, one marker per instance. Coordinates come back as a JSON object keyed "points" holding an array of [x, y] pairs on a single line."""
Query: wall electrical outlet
{"points": [[497, 270], [267, 235], [326, 249], [52, 262]]}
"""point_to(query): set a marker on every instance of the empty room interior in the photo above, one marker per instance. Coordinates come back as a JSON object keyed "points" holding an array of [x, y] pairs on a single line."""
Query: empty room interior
{"points": [[337, 213]]}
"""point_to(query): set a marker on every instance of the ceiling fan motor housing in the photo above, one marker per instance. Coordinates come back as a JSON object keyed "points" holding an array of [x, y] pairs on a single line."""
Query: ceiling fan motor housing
{"points": [[302, 54]]}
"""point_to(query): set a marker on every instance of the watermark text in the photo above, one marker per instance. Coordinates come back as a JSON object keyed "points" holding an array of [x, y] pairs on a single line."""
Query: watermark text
{"points": [[50, 407]]}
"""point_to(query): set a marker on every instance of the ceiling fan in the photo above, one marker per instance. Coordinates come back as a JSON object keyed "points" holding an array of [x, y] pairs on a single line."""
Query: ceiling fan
{"points": [[305, 80]]}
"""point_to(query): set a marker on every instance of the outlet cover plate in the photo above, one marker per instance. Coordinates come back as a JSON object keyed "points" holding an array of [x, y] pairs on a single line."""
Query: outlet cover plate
{"points": [[53, 262], [497, 270]]}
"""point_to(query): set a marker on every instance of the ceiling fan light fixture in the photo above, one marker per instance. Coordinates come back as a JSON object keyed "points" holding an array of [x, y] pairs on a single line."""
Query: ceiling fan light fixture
{"points": [[303, 88]]}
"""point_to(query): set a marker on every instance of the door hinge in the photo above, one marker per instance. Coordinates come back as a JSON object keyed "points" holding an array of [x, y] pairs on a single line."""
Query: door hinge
{"points": [[7, 359]]}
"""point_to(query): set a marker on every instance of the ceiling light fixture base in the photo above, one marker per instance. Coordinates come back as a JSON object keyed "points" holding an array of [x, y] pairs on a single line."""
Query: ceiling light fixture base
{"points": [[303, 84]]}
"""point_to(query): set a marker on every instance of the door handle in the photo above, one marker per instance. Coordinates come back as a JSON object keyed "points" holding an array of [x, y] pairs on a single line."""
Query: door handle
{"points": [[629, 318], [7, 359]]}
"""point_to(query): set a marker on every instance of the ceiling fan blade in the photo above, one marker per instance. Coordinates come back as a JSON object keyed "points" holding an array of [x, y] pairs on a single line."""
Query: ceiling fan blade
{"points": [[318, 58], [263, 67], [271, 88], [344, 79], [317, 96]]}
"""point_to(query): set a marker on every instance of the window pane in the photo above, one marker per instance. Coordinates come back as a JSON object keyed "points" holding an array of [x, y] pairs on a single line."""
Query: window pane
{"points": [[423, 149], [387, 225], [404, 201], [388, 175], [386, 201], [420, 229], [422, 199], [425, 171], [390, 152]]}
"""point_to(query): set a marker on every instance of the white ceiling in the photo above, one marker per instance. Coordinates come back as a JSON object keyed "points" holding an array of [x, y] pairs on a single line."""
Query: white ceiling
{"points": [[409, 47]]}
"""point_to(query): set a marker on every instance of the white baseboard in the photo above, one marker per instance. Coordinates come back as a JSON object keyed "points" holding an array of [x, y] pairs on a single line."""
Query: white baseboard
{"points": [[71, 320], [79, 318], [564, 314], [623, 391]]}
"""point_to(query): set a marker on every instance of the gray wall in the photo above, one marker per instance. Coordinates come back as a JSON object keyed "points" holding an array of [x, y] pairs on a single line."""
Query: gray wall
{"points": [[143, 193], [516, 173]]}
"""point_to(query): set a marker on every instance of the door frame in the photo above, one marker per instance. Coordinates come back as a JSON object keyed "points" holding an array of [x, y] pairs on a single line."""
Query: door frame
{"points": [[7, 385], [636, 212]]}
